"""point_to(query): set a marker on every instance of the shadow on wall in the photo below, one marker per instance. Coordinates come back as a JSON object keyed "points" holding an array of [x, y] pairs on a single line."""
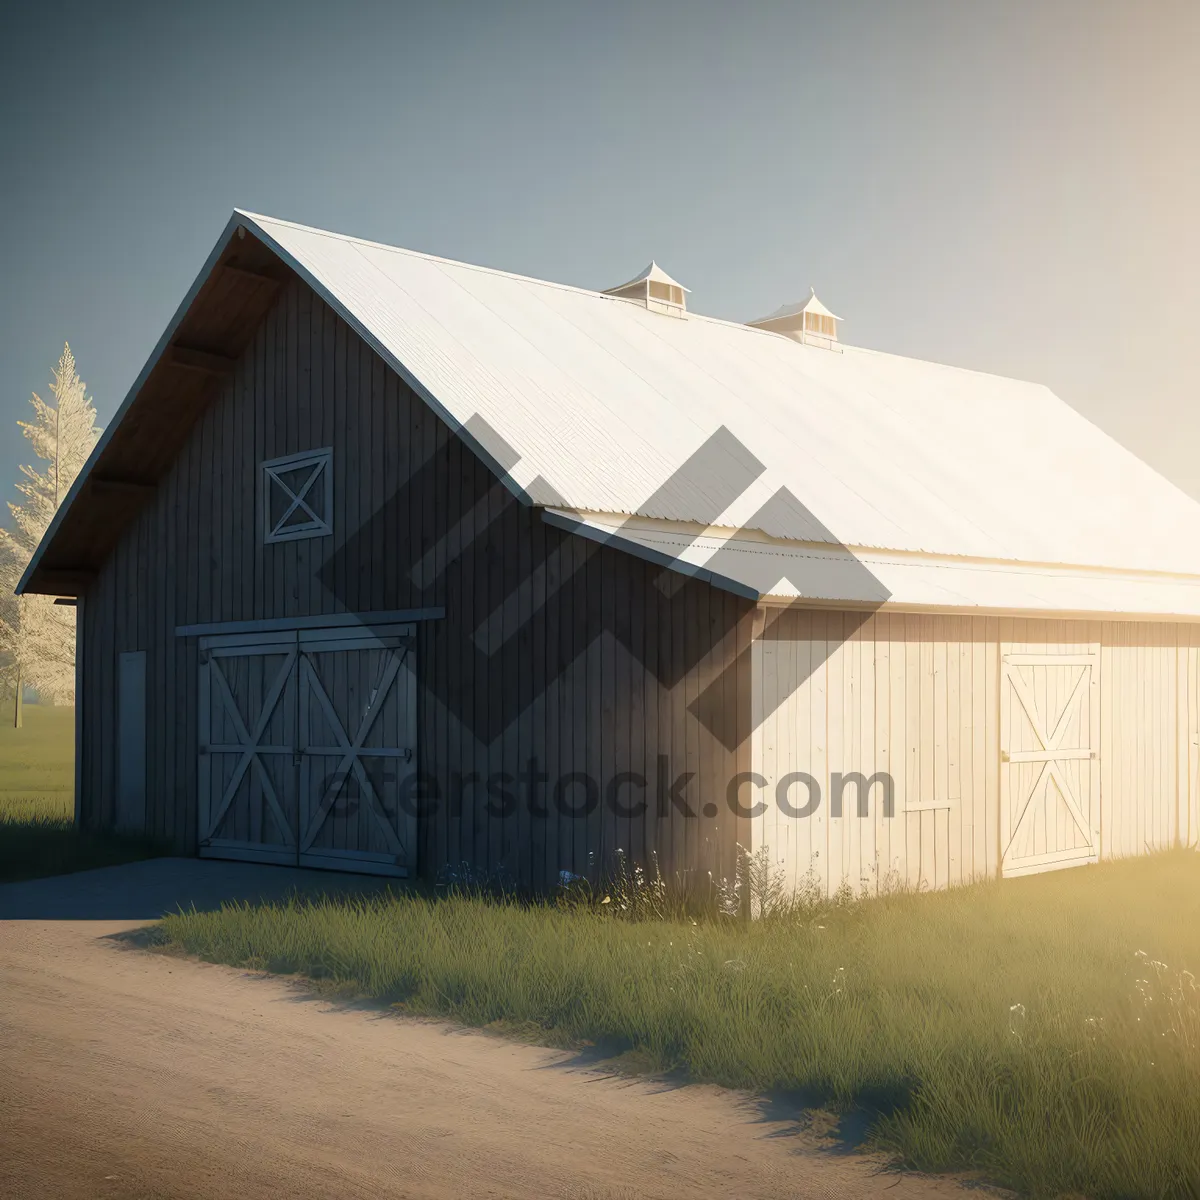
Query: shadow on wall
{"points": [[713, 477]]}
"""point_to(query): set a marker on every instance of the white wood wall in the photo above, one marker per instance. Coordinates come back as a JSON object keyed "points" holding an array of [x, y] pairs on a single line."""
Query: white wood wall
{"points": [[921, 698]]}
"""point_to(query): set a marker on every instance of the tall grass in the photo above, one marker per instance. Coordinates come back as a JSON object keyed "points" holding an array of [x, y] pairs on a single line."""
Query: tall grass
{"points": [[37, 803], [1042, 1032]]}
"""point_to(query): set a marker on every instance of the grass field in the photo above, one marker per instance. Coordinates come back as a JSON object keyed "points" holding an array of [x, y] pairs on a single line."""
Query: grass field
{"points": [[1042, 1033], [37, 765], [37, 803]]}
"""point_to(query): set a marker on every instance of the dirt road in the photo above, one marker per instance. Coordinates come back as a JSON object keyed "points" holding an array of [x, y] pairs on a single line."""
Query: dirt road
{"points": [[130, 1074]]}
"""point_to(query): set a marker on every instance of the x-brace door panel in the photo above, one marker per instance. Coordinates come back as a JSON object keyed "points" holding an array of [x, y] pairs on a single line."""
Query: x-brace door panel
{"points": [[307, 744], [357, 742], [248, 801], [1049, 770]]}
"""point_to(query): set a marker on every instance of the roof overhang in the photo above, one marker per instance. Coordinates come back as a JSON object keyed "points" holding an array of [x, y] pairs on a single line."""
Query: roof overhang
{"points": [[774, 571], [198, 351]]}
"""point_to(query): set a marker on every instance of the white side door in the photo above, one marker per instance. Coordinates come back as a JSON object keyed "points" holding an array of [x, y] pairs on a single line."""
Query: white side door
{"points": [[1049, 769]]}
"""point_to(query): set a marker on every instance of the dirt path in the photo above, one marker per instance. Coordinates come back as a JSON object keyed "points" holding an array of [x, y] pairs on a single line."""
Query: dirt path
{"points": [[128, 1074]]}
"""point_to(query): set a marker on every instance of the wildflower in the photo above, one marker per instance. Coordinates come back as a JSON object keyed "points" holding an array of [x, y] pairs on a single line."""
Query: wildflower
{"points": [[1016, 1020]]}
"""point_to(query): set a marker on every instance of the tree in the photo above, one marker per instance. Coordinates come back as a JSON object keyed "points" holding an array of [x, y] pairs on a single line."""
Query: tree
{"points": [[37, 637]]}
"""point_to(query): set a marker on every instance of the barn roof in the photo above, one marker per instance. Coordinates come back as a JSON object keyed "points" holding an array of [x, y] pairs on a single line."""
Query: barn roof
{"points": [[590, 405]]}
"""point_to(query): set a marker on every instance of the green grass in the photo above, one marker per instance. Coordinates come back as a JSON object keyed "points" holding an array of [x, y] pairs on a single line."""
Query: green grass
{"points": [[37, 803], [37, 765], [1001, 1029]]}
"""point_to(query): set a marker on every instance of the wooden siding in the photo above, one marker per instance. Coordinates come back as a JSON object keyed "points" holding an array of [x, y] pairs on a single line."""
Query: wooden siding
{"points": [[919, 697], [603, 664], [597, 670]]}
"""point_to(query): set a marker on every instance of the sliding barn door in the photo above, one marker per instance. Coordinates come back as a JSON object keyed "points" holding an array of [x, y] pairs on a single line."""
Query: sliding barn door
{"points": [[307, 746], [247, 746], [1049, 768], [357, 753]]}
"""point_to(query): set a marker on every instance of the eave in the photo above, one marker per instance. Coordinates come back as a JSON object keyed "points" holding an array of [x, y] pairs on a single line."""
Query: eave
{"points": [[199, 351]]}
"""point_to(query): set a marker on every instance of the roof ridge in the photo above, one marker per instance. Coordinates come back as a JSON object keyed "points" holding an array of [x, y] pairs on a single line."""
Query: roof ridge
{"points": [[583, 291], [436, 258], [469, 266]]}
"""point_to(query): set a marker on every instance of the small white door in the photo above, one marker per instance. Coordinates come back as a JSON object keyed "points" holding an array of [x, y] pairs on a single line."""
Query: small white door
{"points": [[307, 748], [1049, 772]]}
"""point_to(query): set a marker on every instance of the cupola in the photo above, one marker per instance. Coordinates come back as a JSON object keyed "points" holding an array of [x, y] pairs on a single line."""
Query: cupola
{"points": [[655, 289], [809, 322]]}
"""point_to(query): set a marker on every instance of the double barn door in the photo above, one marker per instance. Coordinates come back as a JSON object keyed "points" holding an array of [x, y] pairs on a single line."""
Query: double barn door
{"points": [[307, 747]]}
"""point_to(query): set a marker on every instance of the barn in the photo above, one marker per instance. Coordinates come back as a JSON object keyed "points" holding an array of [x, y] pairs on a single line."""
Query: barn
{"points": [[401, 565]]}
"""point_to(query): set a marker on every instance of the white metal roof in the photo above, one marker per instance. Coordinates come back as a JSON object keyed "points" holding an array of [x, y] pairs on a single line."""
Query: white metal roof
{"points": [[603, 402], [812, 304]]}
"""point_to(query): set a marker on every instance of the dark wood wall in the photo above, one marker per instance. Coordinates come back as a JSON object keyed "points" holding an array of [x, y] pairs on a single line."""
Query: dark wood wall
{"points": [[600, 665]]}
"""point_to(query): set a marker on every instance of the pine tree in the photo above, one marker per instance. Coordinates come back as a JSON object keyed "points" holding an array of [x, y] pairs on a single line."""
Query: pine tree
{"points": [[37, 637]]}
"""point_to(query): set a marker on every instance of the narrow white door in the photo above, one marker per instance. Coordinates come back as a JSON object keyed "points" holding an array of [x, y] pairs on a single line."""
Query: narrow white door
{"points": [[1049, 773]]}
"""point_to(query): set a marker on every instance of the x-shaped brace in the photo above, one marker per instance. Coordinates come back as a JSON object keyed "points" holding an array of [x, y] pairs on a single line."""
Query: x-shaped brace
{"points": [[1050, 743], [351, 752]]}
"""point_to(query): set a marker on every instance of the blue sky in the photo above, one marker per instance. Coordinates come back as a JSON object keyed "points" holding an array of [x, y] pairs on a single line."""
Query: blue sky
{"points": [[1011, 187]]}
